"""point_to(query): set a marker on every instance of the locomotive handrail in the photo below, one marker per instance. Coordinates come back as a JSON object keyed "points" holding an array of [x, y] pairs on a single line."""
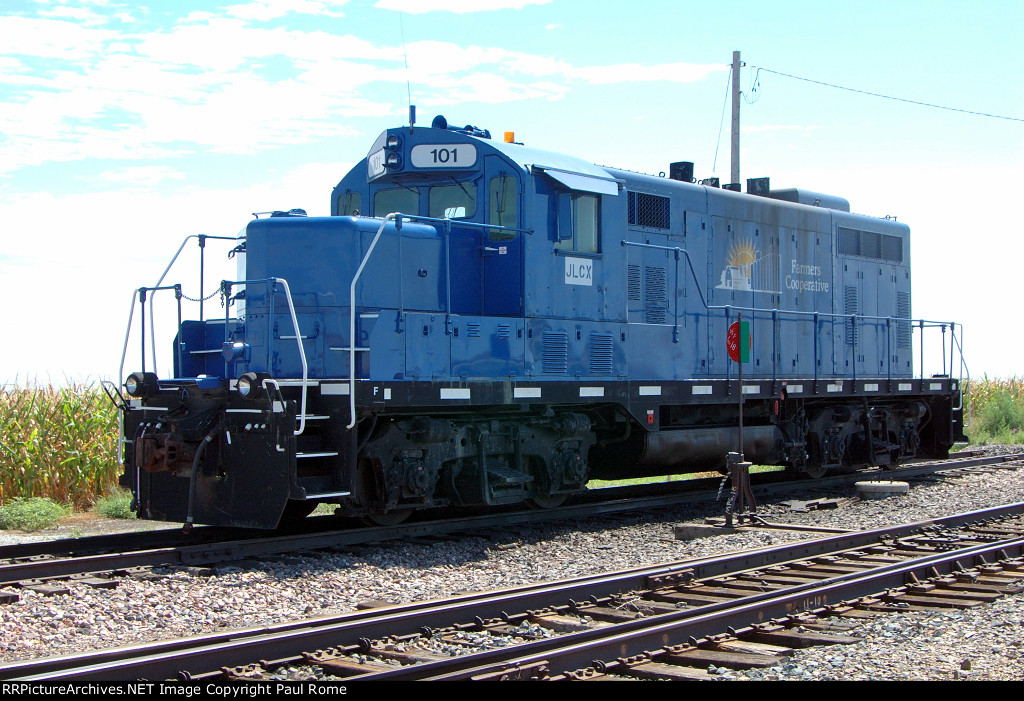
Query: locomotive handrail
{"points": [[202, 248], [226, 287], [136, 294], [352, 316], [920, 323], [470, 224]]}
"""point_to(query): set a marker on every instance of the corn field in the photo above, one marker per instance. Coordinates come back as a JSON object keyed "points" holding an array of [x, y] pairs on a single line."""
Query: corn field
{"points": [[58, 443], [981, 392], [994, 410]]}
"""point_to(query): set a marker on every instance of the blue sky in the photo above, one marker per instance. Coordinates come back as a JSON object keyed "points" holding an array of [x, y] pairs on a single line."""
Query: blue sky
{"points": [[125, 126]]}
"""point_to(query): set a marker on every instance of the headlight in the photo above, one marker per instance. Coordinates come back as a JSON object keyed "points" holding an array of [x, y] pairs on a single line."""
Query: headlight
{"points": [[247, 383], [235, 350], [393, 142], [140, 383], [393, 161]]}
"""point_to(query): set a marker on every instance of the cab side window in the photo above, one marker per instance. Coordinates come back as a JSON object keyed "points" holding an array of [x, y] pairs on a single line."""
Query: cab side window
{"points": [[349, 204], [503, 206], [578, 222]]}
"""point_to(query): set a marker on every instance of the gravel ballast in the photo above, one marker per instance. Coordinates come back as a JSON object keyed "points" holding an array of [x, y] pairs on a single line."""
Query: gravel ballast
{"points": [[986, 642]]}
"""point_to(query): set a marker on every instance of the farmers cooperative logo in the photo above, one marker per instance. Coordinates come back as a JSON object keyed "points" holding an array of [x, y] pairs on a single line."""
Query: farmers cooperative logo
{"points": [[746, 270]]}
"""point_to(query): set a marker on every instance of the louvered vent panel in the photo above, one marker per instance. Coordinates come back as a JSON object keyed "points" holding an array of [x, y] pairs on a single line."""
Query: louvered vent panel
{"points": [[600, 354], [556, 352], [633, 285], [473, 330], [852, 306], [655, 295], [903, 330]]}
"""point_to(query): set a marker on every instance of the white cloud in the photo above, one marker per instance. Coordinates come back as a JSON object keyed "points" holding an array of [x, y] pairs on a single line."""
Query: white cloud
{"points": [[263, 10], [80, 15], [141, 177], [51, 38], [492, 88], [219, 83], [417, 7], [100, 247], [634, 72]]}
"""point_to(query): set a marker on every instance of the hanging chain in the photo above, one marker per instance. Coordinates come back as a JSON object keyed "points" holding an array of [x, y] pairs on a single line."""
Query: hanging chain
{"points": [[207, 297], [721, 486]]}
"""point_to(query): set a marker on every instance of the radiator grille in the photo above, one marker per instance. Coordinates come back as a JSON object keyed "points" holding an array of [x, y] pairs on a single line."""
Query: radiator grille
{"points": [[633, 286], [867, 244], [852, 306], [903, 330], [655, 295], [648, 210], [600, 354], [556, 352]]}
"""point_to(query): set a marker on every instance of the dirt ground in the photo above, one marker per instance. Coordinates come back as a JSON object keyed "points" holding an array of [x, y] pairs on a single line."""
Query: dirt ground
{"points": [[81, 524]]}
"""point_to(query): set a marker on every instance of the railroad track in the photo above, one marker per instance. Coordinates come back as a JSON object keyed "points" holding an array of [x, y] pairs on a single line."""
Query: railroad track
{"points": [[670, 621], [102, 561]]}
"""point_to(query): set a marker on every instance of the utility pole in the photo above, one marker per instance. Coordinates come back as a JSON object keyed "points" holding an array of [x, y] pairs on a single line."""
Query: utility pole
{"points": [[734, 173]]}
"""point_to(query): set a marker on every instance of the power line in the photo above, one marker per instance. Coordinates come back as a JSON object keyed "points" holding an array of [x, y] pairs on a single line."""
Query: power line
{"points": [[890, 97]]}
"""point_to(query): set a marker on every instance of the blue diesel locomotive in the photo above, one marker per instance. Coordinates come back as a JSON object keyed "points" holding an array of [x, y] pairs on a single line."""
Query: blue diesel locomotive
{"points": [[481, 323]]}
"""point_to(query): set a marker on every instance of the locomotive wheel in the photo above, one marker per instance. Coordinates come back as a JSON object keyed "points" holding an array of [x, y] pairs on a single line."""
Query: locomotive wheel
{"points": [[549, 501], [813, 468], [366, 493], [815, 471], [537, 468], [389, 518]]}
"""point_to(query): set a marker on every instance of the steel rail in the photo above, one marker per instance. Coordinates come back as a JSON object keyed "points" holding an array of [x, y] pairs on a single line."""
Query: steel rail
{"points": [[580, 650], [168, 659], [23, 561]]}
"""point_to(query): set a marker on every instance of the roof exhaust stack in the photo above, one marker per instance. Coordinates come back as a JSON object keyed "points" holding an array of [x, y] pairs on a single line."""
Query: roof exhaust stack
{"points": [[758, 186], [681, 170]]}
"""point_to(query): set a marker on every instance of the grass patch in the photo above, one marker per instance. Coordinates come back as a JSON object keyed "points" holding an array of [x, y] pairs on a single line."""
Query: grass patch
{"points": [[115, 505], [598, 484], [31, 514], [324, 509]]}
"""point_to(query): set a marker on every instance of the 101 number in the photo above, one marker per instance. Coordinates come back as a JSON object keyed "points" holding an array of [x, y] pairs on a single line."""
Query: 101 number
{"points": [[444, 155]]}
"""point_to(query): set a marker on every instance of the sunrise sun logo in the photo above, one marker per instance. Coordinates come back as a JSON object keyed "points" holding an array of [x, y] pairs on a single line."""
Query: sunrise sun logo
{"points": [[746, 270]]}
